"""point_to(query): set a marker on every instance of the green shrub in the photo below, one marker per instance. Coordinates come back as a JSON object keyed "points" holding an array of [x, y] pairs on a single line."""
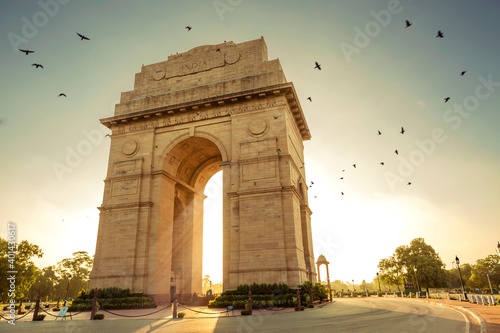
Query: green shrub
{"points": [[310, 306], [302, 308], [40, 317], [245, 312], [99, 316], [181, 315], [56, 309]]}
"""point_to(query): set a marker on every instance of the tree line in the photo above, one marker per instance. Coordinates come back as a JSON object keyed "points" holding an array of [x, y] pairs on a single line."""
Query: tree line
{"points": [[420, 262], [65, 279]]}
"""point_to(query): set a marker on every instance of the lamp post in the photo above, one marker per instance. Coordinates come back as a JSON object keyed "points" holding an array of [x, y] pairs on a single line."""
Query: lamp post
{"points": [[378, 279], [457, 261], [67, 291], [488, 275], [498, 248], [416, 279], [353, 289]]}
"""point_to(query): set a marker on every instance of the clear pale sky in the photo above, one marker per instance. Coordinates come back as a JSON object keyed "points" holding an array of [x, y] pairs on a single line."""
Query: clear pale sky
{"points": [[376, 75]]}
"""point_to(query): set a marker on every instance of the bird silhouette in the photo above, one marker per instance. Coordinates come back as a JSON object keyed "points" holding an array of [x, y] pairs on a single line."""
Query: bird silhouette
{"points": [[354, 165], [37, 65], [315, 196], [275, 117], [341, 178], [379, 133], [62, 95], [440, 34], [402, 130], [278, 150], [463, 73], [342, 193], [318, 66], [312, 183], [108, 135], [310, 99], [409, 183], [343, 170], [218, 50], [82, 36], [189, 28], [407, 24], [381, 163], [396, 151], [446, 99], [27, 51]]}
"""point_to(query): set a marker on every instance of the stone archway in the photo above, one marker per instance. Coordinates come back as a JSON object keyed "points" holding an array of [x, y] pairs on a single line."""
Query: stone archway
{"points": [[214, 107]]}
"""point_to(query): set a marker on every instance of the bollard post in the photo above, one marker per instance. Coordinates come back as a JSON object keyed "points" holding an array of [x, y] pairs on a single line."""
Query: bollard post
{"points": [[426, 294], [94, 305], [460, 297], [298, 300], [19, 311], [250, 307], [174, 310], [311, 295], [331, 300], [37, 307]]}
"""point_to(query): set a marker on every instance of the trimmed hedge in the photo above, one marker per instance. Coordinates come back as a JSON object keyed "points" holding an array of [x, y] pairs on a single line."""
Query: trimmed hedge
{"points": [[112, 299]]}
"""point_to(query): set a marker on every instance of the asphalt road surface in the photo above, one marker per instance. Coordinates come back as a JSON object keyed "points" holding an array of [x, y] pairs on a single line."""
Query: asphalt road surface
{"points": [[345, 315]]}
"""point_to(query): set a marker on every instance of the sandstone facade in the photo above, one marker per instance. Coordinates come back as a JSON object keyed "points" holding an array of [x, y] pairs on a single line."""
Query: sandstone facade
{"points": [[216, 107]]}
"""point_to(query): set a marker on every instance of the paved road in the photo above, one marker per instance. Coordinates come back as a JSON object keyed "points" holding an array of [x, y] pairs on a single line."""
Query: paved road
{"points": [[345, 315]]}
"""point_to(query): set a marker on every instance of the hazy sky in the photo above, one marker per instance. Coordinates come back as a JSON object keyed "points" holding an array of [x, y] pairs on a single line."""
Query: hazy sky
{"points": [[376, 75]]}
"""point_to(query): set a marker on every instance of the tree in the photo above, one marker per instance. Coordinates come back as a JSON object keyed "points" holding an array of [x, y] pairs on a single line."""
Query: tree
{"points": [[391, 272], [74, 273], [419, 255], [26, 271], [489, 265]]}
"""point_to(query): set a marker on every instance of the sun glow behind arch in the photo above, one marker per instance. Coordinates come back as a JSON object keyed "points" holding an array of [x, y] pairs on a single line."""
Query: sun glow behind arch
{"points": [[212, 229]]}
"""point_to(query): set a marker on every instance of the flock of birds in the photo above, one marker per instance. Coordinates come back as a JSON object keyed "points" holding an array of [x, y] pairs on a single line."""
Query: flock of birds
{"points": [[27, 52], [446, 99]]}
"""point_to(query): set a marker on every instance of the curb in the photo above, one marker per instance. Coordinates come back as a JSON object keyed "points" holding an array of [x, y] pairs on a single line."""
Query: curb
{"points": [[481, 321]]}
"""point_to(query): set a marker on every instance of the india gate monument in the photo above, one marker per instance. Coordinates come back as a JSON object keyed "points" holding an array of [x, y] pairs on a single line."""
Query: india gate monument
{"points": [[216, 107]]}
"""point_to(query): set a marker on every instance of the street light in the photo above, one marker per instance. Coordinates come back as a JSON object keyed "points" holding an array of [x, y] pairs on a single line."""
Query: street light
{"points": [[353, 285], [498, 248], [488, 275], [416, 279], [378, 279], [457, 261], [67, 291]]}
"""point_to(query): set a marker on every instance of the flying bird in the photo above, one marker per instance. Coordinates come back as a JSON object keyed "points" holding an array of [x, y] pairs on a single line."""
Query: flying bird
{"points": [[407, 24], [402, 130], [354, 165], [440, 34], [342, 193], [446, 99], [379, 133], [312, 183], [396, 151], [315, 196], [343, 170], [275, 117], [310, 99], [82, 36], [341, 178], [27, 51], [463, 73], [278, 150], [409, 183], [37, 65], [218, 50], [318, 66], [108, 135], [189, 28], [62, 95], [381, 163]]}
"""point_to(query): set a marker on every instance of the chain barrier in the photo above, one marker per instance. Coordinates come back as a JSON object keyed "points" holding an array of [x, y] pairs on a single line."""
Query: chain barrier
{"points": [[121, 315], [18, 317], [210, 313]]}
